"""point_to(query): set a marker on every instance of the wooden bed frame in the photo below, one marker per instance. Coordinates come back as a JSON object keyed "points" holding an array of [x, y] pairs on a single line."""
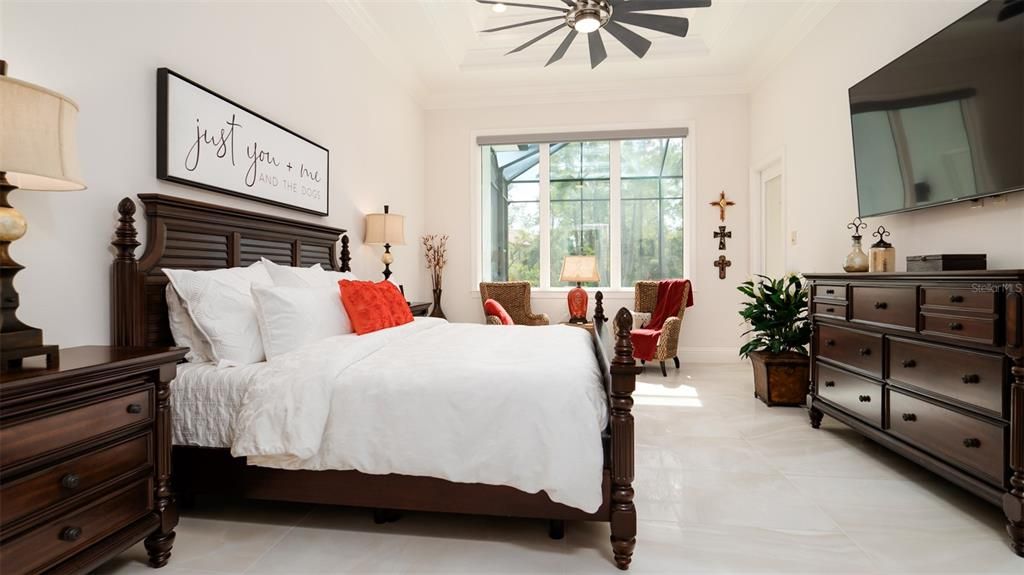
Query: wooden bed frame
{"points": [[194, 235]]}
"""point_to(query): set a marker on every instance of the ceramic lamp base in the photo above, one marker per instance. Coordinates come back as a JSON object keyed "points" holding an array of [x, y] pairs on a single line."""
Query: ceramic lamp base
{"points": [[578, 305]]}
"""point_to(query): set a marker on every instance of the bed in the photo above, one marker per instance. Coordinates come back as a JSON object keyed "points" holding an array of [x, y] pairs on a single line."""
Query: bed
{"points": [[200, 236]]}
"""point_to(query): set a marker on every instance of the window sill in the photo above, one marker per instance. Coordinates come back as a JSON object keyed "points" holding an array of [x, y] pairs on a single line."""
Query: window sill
{"points": [[561, 293]]}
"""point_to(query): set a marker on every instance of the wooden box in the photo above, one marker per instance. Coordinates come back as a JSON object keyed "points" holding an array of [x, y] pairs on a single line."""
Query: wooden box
{"points": [[946, 262]]}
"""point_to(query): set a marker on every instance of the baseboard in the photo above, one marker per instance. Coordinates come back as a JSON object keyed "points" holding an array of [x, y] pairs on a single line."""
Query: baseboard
{"points": [[709, 355]]}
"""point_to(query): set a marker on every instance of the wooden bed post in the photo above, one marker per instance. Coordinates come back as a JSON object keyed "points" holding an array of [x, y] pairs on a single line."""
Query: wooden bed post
{"points": [[126, 293], [346, 255], [599, 316], [623, 512]]}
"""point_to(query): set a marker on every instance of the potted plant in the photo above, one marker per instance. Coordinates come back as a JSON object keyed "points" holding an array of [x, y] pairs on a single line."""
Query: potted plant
{"points": [[435, 249], [776, 312]]}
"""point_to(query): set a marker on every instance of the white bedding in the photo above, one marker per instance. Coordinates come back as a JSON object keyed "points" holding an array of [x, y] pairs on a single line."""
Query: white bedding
{"points": [[204, 401], [518, 406]]}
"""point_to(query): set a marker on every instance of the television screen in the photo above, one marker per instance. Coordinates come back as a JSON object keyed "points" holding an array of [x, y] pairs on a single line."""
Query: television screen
{"points": [[945, 121]]}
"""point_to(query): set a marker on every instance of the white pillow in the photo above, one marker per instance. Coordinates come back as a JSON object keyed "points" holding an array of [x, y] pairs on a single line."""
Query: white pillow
{"points": [[184, 330], [313, 276], [291, 317], [220, 303]]}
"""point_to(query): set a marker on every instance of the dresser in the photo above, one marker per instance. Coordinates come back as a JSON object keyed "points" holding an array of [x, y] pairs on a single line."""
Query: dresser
{"points": [[85, 459], [930, 365]]}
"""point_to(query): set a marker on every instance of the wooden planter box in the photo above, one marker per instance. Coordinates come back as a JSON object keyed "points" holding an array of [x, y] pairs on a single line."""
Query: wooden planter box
{"points": [[781, 379]]}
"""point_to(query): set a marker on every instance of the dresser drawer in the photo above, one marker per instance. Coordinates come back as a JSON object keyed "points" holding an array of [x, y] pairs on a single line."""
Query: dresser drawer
{"points": [[836, 310], [857, 349], [76, 530], [891, 306], [966, 441], [77, 475], [973, 329], [970, 377], [962, 298], [830, 291], [857, 395], [38, 436]]}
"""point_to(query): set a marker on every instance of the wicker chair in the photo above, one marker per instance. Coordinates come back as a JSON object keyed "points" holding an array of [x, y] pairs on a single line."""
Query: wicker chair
{"points": [[645, 295], [515, 298]]}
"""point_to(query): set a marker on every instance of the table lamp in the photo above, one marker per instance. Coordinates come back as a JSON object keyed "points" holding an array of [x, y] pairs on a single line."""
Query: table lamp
{"points": [[37, 152], [579, 269], [385, 229]]}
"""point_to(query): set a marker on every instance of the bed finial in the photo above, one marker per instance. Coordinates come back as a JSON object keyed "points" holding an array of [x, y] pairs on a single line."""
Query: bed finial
{"points": [[346, 255], [599, 316], [125, 236]]}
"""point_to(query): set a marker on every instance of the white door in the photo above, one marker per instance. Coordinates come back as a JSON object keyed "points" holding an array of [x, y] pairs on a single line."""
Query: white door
{"points": [[773, 226]]}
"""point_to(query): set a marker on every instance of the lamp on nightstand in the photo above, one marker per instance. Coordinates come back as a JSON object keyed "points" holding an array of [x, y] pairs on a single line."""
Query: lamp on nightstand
{"points": [[579, 269], [385, 229], [37, 152]]}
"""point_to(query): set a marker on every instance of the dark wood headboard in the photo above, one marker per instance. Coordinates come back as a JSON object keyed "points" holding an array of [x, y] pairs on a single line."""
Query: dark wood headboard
{"points": [[186, 234]]}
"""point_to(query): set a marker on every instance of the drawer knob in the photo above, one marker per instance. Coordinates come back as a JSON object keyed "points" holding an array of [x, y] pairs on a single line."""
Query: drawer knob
{"points": [[956, 326], [971, 378], [71, 533], [830, 384], [70, 481], [972, 443], [881, 305], [956, 299], [830, 310], [864, 398], [865, 351], [909, 363], [830, 291], [909, 417], [830, 343], [134, 408]]}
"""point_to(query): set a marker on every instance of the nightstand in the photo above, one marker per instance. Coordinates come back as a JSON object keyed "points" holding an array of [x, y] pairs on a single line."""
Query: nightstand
{"points": [[589, 325], [419, 308], [85, 468]]}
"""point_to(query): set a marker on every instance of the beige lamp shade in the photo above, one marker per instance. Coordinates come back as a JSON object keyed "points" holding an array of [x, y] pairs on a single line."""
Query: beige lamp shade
{"points": [[38, 137], [386, 228], [582, 269]]}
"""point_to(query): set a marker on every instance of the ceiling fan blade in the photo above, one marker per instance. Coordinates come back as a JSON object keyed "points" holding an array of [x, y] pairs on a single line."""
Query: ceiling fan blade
{"points": [[636, 43], [562, 48], [644, 5], [597, 51], [535, 40], [674, 25], [538, 6], [527, 23]]}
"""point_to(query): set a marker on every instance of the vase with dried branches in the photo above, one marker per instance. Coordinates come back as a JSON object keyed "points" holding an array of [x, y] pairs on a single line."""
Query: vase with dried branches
{"points": [[435, 248]]}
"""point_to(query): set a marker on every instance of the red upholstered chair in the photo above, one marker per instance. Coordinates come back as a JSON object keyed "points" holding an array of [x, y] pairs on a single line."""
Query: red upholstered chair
{"points": [[515, 298], [645, 300]]}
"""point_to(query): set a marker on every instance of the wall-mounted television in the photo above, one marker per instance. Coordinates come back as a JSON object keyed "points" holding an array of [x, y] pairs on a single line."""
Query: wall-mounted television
{"points": [[944, 122]]}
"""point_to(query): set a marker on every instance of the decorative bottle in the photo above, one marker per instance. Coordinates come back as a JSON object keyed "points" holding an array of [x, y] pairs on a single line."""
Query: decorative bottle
{"points": [[883, 255], [856, 260]]}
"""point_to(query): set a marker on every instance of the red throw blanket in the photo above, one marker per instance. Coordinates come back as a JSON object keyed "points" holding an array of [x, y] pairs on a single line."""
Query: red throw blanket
{"points": [[670, 298]]}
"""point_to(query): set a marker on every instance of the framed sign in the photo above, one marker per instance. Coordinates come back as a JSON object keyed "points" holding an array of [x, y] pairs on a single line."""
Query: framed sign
{"points": [[207, 141]]}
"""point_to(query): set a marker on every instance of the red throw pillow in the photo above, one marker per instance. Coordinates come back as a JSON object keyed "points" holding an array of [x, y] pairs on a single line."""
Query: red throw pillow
{"points": [[494, 308], [373, 306]]}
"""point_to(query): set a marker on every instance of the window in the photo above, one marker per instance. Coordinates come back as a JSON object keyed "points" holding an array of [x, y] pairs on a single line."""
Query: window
{"points": [[620, 200]]}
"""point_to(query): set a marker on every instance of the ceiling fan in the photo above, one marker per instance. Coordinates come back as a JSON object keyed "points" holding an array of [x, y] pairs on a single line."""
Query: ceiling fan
{"points": [[589, 16]]}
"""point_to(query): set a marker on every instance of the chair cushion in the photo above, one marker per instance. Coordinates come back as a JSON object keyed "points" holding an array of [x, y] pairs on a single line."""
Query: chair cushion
{"points": [[494, 308]]}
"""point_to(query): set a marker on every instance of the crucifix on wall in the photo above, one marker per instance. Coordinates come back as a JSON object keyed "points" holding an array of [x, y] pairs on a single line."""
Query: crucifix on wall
{"points": [[721, 235], [721, 263], [721, 204]]}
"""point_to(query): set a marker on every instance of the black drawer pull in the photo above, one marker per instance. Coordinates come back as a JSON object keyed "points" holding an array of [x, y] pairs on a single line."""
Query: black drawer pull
{"points": [[956, 326], [909, 417], [830, 291], [134, 408], [830, 343], [956, 299], [972, 443], [909, 363], [971, 378], [830, 384], [70, 481], [881, 305], [830, 310], [71, 533], [864, 399], [864, 351]]}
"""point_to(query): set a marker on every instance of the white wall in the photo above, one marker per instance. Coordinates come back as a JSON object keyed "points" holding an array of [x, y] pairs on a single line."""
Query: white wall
{"points": [[719, 145], [296, 64], [801, 111]]}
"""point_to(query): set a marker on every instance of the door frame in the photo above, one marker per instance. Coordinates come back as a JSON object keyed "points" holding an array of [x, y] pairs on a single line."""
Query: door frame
{"points": [[773, 165]]}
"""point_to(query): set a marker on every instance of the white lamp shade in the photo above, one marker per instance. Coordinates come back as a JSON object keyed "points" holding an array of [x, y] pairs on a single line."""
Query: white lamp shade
{"points": [[38, 137], [385, 229], [581, 269]]}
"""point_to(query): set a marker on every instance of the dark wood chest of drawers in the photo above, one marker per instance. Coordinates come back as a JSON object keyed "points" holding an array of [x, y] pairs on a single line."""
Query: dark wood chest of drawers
{"points": [[931, 365], [85, 460]]}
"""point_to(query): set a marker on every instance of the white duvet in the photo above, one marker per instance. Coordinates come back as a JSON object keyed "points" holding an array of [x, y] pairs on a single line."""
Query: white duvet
{"points": [[517, 406]]}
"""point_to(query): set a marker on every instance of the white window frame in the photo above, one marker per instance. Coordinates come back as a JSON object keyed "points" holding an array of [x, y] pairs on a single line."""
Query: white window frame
{"points": [[620, 132]]}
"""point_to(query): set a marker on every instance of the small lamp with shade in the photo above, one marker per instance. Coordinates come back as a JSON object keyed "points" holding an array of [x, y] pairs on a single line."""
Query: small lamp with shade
{"points": [[579, 269], [385, 229]]}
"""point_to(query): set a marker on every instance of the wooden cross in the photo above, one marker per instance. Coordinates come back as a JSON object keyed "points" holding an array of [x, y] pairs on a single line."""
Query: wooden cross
{"points": [[721, 235], [721, 204], [721, 263]]}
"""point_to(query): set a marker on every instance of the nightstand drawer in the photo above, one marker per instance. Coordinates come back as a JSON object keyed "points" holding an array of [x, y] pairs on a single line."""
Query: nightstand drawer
{"points": [[857, 349], [857, 395], [892, 306], [76, 530], [970, 377], [77, 475], [23, 441]]}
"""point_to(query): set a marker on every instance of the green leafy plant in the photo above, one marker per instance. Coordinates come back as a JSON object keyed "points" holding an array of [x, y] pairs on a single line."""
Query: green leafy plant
{"points": [[777, 315]]}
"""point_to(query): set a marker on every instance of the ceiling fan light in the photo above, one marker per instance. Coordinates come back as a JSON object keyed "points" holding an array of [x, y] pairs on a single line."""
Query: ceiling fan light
{"points": [[587, 22], [499, 7]]}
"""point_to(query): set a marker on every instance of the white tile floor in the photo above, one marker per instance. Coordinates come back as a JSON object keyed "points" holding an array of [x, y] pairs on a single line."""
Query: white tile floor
{"points": [[724, 485]]}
